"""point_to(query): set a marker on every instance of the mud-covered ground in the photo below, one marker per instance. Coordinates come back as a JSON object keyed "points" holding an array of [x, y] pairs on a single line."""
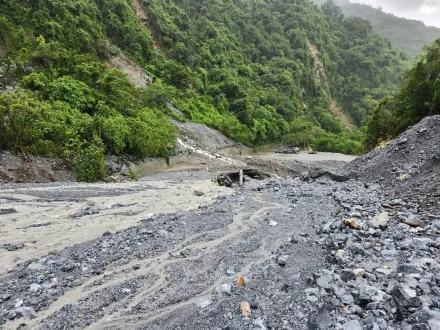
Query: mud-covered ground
{"points": [[314, 254], [39, 218], [179, 271], [358, 250]]}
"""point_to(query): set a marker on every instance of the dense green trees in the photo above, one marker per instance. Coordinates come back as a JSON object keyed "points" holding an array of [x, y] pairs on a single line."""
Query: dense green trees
{"points": [[254, 60], [418, 97], [256, 70], [75, 107]]}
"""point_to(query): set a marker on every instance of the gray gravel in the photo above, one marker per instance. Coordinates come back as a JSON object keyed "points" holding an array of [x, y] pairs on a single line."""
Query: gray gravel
{"points": [[170, 264], [180, 271], [409, 166], [314, 253]]}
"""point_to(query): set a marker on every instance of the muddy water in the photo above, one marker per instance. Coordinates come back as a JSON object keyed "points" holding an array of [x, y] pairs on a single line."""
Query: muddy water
{"points": [[241, 223], [44, 222], [306, 157]]}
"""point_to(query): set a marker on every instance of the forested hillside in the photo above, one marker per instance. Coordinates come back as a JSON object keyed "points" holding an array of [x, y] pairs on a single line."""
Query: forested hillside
{"points": [[259, 71], [418, 97], [406, 34]]}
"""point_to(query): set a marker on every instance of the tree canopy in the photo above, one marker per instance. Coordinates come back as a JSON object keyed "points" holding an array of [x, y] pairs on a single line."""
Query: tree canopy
{"points": [[418, 97], [259, 71]]}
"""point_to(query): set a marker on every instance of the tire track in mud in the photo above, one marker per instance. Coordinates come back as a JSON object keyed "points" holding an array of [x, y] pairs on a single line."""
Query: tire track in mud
{"points": [[154, 266]]}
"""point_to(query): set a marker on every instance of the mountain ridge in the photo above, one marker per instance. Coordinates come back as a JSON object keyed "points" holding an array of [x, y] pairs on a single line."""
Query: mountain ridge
{"points": [[407, 34]]}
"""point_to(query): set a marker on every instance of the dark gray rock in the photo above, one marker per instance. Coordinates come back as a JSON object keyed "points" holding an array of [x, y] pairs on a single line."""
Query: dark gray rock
{"points": [[408, 269], [26, 312], [319, 321], [282, 261]]}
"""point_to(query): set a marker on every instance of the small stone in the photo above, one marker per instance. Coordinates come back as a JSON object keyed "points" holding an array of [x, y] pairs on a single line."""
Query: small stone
{"points": [[35, 266], [259, 324], [325, 281], [273, 223], [341, 257], [320, 321], [347, 275], [230, 271], [355, 214], [5, 297], [408, 269], [347, 299], [198, 193], [381, 220], [204, 303], [224, 289], [414, 223], [35, 287], [352, 325], [402, 295], [282, 261], [26, 312], [384, 271], [358, 272], [409, 292], [352, 224]]}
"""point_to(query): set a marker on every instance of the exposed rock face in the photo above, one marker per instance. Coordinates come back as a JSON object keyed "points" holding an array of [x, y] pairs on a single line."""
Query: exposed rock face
{"points": [[18, 169]]}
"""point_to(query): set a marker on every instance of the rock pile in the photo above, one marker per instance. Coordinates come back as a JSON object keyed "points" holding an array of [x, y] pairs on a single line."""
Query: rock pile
{"points": [[384, 270], [409, 166]]}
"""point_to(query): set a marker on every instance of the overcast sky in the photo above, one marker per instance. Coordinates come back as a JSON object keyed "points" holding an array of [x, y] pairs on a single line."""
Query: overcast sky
{"points": [[427, 11]]}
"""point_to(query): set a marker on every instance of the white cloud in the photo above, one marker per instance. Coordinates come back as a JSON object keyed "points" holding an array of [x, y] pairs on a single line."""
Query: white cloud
{"points": [[427, 11]]}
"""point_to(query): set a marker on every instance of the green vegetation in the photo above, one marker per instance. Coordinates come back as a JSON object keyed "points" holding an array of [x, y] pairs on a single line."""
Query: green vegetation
{"points": [[406, 34], [70, 104], [254, 60], [259, 71], [133, 175], [418, 97]]}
